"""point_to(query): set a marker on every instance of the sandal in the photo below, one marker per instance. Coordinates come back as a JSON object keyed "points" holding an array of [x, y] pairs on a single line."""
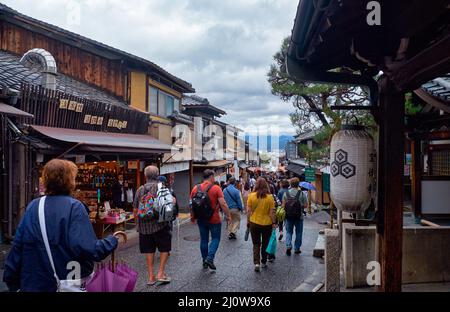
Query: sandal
{"points": [[151, 283], [163, 280]]}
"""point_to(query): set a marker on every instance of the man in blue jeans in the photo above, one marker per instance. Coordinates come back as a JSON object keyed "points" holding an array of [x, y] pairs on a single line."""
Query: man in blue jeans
{"points": [[214, 224], [294, 202]]}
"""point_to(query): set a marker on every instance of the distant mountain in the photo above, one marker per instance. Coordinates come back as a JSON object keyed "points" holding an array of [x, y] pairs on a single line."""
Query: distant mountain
{"points": [[282, 140]]}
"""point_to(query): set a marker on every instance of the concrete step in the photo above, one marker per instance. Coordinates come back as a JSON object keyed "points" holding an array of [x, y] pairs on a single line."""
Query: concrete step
{"points": [[319, 249]]}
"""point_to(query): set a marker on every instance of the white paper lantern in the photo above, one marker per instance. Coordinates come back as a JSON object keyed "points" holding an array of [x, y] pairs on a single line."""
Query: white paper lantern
{"points": [[353, 160]]}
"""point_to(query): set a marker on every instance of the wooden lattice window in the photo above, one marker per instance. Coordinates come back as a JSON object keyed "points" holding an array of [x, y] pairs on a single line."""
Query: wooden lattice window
{"points": [[440, 161]]}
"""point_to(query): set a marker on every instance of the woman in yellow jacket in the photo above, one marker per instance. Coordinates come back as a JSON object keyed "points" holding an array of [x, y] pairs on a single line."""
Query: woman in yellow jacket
{"points": [[261, 221]]}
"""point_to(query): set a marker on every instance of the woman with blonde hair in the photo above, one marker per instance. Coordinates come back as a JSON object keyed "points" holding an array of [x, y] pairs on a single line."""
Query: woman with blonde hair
{"points": [[67, 233], [261, 221]]}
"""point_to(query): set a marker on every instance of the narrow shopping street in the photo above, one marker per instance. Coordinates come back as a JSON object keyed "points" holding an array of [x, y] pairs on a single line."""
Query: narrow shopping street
{"points": [[234, 264]]}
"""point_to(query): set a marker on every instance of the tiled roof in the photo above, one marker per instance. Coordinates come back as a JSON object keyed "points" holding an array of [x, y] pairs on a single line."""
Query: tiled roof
{"points": [[306, 135], [195, 100], [439, 88], [7, 10], [12, 73], [182, 118]]}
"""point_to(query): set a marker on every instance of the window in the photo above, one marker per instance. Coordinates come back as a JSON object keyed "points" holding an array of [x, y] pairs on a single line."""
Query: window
{"points": [[170, 105], [153, 101], [176, 105], [161, 103]]}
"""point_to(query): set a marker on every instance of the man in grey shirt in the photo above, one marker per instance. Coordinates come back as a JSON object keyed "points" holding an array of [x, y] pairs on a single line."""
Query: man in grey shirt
{"points": [[152, 234]]}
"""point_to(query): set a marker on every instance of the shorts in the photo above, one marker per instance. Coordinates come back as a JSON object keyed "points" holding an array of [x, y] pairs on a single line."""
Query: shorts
{"points": [[161, 240]]}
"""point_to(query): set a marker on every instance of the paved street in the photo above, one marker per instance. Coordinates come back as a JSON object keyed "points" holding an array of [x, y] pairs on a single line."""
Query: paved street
{"points": [[234, 264]]}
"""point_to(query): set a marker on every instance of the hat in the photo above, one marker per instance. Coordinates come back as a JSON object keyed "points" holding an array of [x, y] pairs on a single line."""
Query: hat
{"points": [[162, 179]]}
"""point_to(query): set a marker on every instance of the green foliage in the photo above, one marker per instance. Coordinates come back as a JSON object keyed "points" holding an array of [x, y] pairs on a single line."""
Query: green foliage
{"points": [[411, 108], [312, 101]]}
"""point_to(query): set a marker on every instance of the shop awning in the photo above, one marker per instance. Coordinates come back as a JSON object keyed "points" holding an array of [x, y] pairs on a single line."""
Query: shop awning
{"points": [[12, 111], [93, 141], [296, 169], [214, 164]]}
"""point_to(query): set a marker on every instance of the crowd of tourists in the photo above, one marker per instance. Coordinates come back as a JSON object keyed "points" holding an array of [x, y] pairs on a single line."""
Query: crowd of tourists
{"points": [[56, 228]]}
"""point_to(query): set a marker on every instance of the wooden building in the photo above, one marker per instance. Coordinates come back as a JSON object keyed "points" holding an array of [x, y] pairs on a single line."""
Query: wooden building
{"points": [[410, 44], [100, 98]]}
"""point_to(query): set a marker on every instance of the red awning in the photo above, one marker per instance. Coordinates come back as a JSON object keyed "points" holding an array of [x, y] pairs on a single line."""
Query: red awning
{"points": [[10, 110], [106, 142]]}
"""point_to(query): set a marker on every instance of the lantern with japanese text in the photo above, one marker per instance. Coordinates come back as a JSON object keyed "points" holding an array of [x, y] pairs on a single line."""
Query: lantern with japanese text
{"points": [[353, 167]]}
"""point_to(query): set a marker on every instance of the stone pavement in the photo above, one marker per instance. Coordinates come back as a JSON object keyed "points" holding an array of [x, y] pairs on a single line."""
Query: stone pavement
{"points": [[234, 264]]}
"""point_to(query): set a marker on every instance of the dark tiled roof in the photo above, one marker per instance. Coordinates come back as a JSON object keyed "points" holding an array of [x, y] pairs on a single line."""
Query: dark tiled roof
{"points": [[12, 73], [439, 88], [182, 118], [195, 100], [184, 84]]}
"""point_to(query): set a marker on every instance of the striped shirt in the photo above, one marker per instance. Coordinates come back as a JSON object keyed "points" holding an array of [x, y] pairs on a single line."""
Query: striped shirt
{"points": [[147, 226]]}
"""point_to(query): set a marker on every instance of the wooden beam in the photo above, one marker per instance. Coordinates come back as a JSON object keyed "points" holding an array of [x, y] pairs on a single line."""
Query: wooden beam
{"points": [[416, 177], [430, 63], [432, 100], [390, 185]]}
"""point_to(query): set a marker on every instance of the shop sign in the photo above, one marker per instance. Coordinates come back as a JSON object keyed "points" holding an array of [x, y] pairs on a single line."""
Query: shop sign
{"points": [[79, 108], [63, 103], [310, 174], [175, 167], [114, 123], [72, 106], [132, 164]]}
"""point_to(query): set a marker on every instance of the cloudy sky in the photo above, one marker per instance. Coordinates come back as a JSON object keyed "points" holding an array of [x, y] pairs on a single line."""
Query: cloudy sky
{"points": [[224, 48]]}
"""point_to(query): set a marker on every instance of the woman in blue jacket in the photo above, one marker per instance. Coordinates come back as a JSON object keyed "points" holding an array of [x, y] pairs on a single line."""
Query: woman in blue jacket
{"points": [[70, 235]]}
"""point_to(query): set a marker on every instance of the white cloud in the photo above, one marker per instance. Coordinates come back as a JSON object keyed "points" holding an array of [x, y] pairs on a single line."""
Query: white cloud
{"points": [[224, 48]]}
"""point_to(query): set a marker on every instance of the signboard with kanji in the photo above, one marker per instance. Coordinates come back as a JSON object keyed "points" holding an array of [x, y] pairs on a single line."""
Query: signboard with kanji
{"points": [[310, 174]]}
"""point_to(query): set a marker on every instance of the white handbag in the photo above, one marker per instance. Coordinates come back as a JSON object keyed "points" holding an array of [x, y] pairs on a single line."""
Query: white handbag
{"points": [[74, 285]]}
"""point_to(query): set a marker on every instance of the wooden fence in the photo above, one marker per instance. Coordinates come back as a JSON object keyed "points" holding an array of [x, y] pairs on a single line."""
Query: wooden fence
{"points": [[61, 110]]}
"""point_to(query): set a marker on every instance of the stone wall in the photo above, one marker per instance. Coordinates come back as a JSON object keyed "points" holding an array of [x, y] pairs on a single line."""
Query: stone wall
{"points": [[426, 254]]}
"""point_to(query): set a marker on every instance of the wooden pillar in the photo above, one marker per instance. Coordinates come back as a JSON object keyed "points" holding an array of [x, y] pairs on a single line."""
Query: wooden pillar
{"points": [[390, 185], [416, 178]]}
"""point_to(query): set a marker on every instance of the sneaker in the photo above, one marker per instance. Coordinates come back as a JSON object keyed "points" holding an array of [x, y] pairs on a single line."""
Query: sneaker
{"points": [[264, 265], [288, 251], [210, 265], [297, 252], [280, 237], [257, 268], [205, 265]]}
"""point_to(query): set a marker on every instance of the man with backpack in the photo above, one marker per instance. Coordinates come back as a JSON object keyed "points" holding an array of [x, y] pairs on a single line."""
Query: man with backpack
{"points": [[205, 201], [233, 198], [154, 230], [294, 202]]}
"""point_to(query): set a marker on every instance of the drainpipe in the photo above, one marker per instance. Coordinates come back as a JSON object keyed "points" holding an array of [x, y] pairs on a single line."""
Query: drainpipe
{"points": [[4, 219]]}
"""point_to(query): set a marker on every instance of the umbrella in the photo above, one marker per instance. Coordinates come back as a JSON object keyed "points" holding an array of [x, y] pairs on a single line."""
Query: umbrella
{"points": [[307, 186], [113, 277]]}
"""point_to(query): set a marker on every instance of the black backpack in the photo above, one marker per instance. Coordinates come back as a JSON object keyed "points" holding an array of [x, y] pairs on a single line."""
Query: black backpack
{"points": [[293, 208], [201, 204]]}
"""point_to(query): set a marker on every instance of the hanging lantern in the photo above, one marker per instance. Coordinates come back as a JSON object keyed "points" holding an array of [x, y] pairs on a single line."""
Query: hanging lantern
{"points": [[353, 161]]}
